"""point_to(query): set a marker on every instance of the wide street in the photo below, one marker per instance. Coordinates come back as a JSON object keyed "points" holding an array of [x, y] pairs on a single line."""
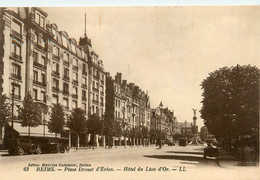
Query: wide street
{"points": [[170, 161]]}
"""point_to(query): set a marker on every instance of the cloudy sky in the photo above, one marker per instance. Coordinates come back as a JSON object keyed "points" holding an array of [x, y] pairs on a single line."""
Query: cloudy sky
{"points": [[167, 51]]}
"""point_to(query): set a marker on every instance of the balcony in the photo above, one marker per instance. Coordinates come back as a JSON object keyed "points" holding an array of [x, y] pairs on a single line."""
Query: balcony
{"points": [[42, 84], [16, 57], [16, 96], [55, 57], [66, 78], [102, 93], [76, 82], [42, 66], [75, 96], [95, 77], [95, 89], [95, 102], [84, 86], [75, 68], [57, 74], [84, 98], [66, 63], [56, 89], [16, 34], [40, 47], [16, 76], [66, 92]]}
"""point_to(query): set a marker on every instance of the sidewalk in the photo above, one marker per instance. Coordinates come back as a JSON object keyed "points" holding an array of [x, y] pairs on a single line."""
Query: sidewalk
{"points": [[226, 160]]}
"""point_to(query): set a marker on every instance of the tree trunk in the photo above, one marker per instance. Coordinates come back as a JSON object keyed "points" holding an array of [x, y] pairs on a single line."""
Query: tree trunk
{"points": [[125, 141], [77, 142], [29, 132]]}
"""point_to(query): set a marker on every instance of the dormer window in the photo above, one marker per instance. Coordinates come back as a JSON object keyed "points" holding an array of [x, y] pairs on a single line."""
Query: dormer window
{"points": [[40, 20]]}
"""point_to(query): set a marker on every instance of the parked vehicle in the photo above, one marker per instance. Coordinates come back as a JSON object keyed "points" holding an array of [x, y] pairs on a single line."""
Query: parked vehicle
{"points": [[182, 142], [211, 151], [23, 146]]}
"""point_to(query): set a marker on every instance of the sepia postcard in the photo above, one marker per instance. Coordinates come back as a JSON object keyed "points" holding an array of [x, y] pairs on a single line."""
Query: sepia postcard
{"points": [[136, 92]]}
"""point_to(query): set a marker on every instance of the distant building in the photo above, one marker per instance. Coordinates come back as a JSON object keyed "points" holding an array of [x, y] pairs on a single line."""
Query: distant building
{"points": [[163, 119]]}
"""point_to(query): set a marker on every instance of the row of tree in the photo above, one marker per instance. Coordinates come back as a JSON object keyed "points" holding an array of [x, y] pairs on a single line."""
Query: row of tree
{"points": [[30, 115]]}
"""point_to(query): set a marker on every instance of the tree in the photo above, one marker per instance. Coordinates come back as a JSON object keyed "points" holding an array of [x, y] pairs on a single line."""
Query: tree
{"points": [[95, 125], [29, 113], [117, 130], [5, 110], [77, 122], [57, 120], [145, 132], [126, 134], [231, 101]]}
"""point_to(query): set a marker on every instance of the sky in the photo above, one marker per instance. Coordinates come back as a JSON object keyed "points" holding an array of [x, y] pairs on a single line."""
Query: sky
{"points": [[167, 51]]}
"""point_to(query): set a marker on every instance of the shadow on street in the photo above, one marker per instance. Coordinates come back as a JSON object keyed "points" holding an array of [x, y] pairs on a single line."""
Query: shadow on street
{"points": [[179, 152]]}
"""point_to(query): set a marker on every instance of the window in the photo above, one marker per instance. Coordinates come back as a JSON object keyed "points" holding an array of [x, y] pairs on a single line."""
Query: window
{"points": [[84, 68], [97, 85], [66, 72], [55, 83], [17, 27], [93, 109], [75, 90], [101, 100], [102, 88], [97, 110], [84, 81], [73, 48], [65, 87], [118, 114], [66, 102], [84, 107], [35, 94], [43, 78], [74, 104], [66, 57], [101, 111], [17, 88], [55, 67], [43, 97], [16, 49], [35, 56], [84, 94], [75, 76], [75, 62], [35, 76], [64, 41], [93, 84], [38, 18], [55, 99], [16, 70], [96, 97], [43, 60], [56, 51], [118, 103], [42, 22]]}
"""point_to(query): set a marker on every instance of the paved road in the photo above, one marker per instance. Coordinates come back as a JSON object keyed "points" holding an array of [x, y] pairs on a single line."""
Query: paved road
{"points": [[166, 162]]}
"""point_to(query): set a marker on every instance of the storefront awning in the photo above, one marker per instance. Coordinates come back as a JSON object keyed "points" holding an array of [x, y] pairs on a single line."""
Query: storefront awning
{"points": [[39, 131]]}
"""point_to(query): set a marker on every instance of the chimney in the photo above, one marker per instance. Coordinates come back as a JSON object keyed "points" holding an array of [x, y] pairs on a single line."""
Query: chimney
{"points": [[124, 83], [118, 77]]}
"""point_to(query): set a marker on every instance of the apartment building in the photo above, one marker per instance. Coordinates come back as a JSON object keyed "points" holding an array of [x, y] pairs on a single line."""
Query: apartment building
{"points": [[38, 57]]}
